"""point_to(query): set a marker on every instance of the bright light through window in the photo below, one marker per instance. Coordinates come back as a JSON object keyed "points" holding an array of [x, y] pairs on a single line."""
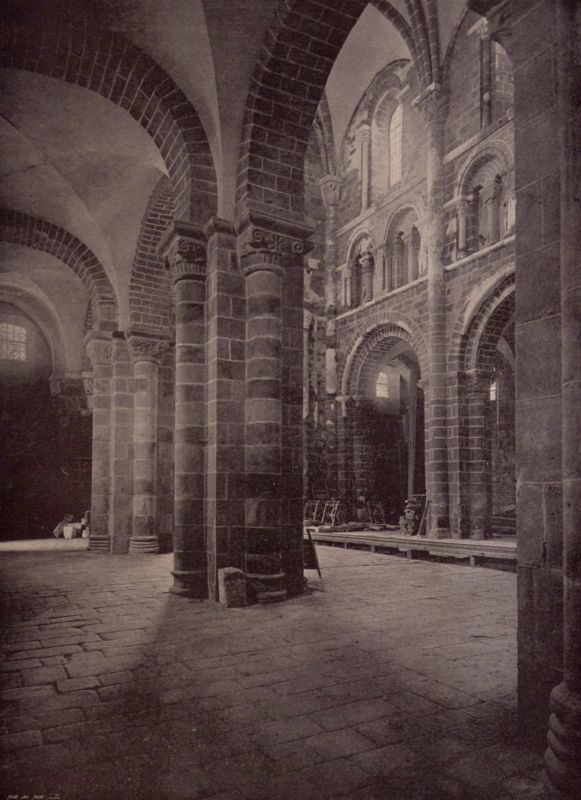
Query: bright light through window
{"points": [[493, 391], [12, 342], [382, 385], [395, 146]]}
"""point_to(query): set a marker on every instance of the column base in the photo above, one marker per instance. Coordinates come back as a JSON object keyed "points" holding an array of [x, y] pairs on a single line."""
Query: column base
{"points": [[267, 588], [563, 756], [189, 583], [99, 544], [144, 545]]}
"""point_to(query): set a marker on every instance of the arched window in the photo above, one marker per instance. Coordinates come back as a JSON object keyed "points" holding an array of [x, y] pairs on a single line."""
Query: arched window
{"points": [[382, 385], [12, 342], [395, 146]]}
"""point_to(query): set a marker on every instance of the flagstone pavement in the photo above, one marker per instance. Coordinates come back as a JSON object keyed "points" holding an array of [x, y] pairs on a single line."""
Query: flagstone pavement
{"points": [[390, 679]]}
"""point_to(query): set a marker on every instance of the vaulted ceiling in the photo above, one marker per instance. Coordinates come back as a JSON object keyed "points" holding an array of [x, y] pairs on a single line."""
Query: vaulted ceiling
{"points": [[70, 157]]}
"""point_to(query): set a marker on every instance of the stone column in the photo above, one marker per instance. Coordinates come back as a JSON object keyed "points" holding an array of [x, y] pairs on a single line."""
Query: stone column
{"points": [[274, 358], [121, 467], [185, 251], [490, 196], [563, 758], [397, 261], [432, 104], [100, 352], [366, 266], [477, 395], [365, 139], [225, 364], [331, 194], [146, 352]]}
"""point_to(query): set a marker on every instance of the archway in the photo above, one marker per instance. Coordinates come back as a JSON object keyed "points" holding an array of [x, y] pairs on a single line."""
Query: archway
{"points": [[45, 432], [490, 413], [388, 430], [384, 430]]}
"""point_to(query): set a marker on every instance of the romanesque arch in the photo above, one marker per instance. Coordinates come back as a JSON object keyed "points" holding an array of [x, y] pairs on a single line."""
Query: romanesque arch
{"points": [[150, 290], [292, 85], [383, 420], [22, 229]]}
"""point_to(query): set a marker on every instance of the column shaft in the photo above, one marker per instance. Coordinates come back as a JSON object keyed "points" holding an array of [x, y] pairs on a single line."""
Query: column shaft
{"points": [[121, 467], [436, 421], [225, 504], [185, 250], [146, 352], [100, 354], [264, 429]]}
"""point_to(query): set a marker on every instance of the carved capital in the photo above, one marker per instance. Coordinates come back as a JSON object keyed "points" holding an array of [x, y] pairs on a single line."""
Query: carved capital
{"points": [[330, 190], [499, 18], [99, 351], [432, 104], [277, 241], [255, 240], [146, 348], [184, 251]]}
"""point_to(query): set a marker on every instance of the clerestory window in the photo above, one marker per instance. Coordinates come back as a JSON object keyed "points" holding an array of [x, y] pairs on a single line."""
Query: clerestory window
{"points": [[395, 146], [12, 342]]}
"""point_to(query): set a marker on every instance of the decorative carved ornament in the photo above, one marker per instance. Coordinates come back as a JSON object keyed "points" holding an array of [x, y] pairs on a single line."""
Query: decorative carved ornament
{"points": [[255, 239], [432, 104], [184, 250], [100, 351], [144, 348], [330, 190]]}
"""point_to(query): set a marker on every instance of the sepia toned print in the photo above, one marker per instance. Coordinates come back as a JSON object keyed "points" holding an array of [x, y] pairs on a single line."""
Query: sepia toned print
{"points": [[289, 399]]}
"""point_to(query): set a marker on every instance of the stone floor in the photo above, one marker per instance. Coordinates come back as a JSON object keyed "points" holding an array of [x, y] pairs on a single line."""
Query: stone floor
{"points": [[391, 679]]}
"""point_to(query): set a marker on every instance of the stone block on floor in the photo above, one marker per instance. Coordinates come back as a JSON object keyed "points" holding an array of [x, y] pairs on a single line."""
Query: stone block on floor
{"points": [[232, 587]]}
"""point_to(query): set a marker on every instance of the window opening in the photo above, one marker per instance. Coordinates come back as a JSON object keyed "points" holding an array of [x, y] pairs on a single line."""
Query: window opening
{"points": [[12, 342], [382, 385], [395, 146]]}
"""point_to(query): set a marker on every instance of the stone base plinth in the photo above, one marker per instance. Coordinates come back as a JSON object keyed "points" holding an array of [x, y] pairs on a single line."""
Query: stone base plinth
{"points": [[267, 588], [99, 544], [143, 546], [189, 583]]}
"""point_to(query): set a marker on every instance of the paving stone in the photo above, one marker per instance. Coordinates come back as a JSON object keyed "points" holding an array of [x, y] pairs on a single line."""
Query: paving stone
{"points": [[339, 744], [36, 677], [75, 684], [335, 694], [17, 741]]}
